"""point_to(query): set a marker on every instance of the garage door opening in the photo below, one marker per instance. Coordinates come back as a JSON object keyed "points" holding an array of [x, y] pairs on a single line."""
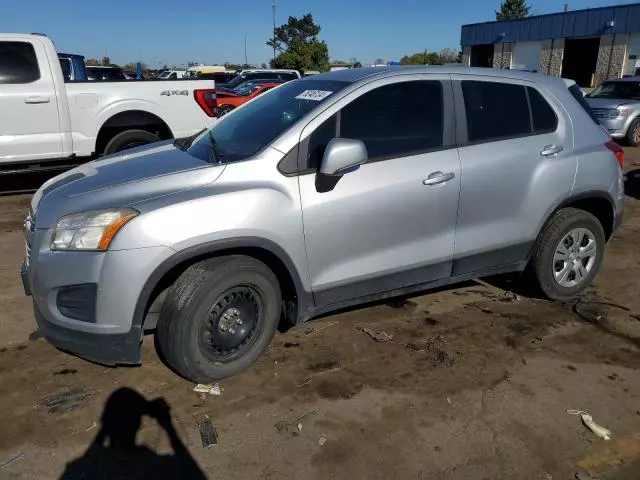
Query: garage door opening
{"points": [[482, 55], [580, 59]]}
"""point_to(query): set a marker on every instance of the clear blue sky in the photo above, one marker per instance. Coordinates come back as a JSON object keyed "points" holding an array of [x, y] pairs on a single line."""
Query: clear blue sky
{"points": [[176, 31]]}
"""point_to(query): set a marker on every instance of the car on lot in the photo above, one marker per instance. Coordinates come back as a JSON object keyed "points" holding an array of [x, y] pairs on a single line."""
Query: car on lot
{"points": [[172, 75], [228, 100], [57, 117], [616, 104], [220, 78], [103, 73], [324, 193], [260, 74]]}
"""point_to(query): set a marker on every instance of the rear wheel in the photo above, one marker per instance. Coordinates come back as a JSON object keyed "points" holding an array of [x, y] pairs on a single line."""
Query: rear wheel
{"points": [[569, 253], [223, 110], [219, 317], [633, 133], [129, 139]]}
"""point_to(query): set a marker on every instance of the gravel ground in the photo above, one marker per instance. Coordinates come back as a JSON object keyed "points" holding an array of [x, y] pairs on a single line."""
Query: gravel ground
{"points": [[475, 384]]}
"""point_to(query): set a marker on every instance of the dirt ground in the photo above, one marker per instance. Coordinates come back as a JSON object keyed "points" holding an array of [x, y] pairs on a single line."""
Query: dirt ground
{"points": [[475, 384]]}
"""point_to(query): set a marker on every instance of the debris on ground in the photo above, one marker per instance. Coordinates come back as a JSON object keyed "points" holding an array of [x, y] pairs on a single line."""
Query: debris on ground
{"points": [[415, 347], [66, 401], [588, 422], [401, 303], [377, 336], [11, 459], [322, 440], [214, 389], [207, 432], [292, 428], [435, 345], [311, 330]]}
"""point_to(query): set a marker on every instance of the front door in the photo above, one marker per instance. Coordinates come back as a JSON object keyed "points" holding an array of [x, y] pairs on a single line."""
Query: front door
{"points": [[389, 224], [29, 121]]}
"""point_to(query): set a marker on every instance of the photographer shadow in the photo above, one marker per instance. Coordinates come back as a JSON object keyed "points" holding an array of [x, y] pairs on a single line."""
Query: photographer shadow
{"points": [[114, 454]]}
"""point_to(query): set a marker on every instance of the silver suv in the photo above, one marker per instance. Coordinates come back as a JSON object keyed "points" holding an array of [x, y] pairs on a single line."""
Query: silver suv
{"points": [[324, 193], [616, 104]]}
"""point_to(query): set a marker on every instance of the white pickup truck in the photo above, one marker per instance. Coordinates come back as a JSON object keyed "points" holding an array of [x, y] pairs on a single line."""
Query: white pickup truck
{"points": [[43, 119]]}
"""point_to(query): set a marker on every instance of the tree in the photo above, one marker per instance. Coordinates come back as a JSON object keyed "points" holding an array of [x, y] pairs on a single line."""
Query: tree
{"points": [[448, 55], [299, 47], [380, 61], [264, 65], [133, 67], [512, 10]]}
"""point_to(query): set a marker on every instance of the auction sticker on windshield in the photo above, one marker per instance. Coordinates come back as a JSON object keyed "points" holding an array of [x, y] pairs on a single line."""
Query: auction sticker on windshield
{"points": [[315, 95]]}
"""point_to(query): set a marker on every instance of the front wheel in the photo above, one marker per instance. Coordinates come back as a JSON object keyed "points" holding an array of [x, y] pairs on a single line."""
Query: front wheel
{"points": [[223, 110], [569, 253], [633, 133], [219, 317]]}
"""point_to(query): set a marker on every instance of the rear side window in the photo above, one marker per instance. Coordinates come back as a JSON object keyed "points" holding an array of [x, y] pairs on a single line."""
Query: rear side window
{"points": [[577, 94], [543, 116], [396, 120], [495, 111], [18, 63]]}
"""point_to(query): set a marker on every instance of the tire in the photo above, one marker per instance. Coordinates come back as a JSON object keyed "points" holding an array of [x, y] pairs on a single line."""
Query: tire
{"points": [[633, 133], [206, 298], [565, 226], [224, 109], [129, 139]]}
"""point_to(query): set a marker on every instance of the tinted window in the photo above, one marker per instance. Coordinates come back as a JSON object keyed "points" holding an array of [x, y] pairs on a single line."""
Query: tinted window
{"points": [[261, 121], [65, 65], [495, 110], [577, 94], [318, 142], [287, 76], [397, 119], [544, 118], [18, 63]]}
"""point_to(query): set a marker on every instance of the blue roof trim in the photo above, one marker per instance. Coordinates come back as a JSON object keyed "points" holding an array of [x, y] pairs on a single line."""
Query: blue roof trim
{"points": [[578, 23]]}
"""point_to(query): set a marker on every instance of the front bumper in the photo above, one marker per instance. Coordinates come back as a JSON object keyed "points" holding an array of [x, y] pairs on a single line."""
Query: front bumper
{"points": [[99, 323], [617, 127]]}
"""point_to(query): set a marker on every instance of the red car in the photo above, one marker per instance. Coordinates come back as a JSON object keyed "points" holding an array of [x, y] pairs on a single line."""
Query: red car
{"points": [[227, 100]]}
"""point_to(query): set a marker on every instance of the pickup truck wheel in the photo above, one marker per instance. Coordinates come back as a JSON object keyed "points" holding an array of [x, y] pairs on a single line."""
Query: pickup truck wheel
{"points": [[219, 317], [569, 253], [224, 109], [129, 139], [633, 133]]}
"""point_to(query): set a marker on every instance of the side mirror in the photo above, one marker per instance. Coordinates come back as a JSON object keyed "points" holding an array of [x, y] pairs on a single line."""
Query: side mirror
{"points": [[342, 155]]}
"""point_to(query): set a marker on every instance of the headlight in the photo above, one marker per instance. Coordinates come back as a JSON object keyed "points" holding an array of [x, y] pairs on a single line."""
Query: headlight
{"points": [[92, 230]]}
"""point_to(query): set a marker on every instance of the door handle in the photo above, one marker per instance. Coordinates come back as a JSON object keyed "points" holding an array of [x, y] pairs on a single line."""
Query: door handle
{"points": [[438, 177], [36, 99], [549, 150]]}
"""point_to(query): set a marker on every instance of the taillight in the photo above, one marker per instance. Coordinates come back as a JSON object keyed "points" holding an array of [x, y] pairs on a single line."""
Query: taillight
{"points": [[617, 151], [206, 98]]}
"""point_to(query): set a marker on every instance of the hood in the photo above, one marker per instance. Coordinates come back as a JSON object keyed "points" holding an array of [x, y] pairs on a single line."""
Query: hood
{"points": [[120, 180], [608, 102]]}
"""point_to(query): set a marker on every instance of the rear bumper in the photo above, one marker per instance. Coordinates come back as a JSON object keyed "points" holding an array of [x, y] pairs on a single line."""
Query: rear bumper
{"points": [[116, 349]]}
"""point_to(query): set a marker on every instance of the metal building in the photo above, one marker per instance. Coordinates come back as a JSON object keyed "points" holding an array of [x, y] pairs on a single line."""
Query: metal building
{"points": [[588, 46]]}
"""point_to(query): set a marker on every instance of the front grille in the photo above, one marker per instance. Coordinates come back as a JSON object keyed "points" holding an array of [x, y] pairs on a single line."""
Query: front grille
{"points": [[605, 113]]}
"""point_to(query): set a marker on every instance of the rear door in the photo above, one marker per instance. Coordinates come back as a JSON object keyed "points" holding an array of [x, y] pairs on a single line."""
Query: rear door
{"points": [[389, 224], [516, 151], [29, 121]]}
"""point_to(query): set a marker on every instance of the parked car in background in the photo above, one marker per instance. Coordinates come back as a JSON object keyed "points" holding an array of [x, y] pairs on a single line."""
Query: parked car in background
{"points": [[260, 74], [131, 75], [56, 120], [197, 70], [220, 78], [227, 100], [616, 104], [324, 193], [104, 73], [308, 73], [172, 75]]}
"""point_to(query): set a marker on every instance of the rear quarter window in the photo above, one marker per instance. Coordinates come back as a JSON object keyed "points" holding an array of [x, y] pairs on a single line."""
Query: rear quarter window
{"points": [[18, 63]]}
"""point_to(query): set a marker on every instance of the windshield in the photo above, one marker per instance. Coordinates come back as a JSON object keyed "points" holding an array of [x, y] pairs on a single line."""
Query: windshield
{"points": [[619, 90], [259, 122], [237, 80], [164, 75]]}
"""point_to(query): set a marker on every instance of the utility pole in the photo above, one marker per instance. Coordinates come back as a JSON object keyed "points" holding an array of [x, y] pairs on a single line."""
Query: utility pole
{"points": [[246, 62], [273, 7]]}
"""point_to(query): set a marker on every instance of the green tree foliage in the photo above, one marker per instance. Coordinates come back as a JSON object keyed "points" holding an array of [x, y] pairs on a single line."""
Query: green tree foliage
{"points": [[512, 10], [446, 55], [298, 45]]}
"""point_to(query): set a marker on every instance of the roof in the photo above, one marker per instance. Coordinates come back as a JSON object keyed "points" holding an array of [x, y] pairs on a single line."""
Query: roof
{"points": [[576, 23], [356, 74]]}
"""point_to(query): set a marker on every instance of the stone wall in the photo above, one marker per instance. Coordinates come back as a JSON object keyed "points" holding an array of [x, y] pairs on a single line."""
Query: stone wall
{"points": [[611, 55], [551, 55], [502, 55], [466, 55]]}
